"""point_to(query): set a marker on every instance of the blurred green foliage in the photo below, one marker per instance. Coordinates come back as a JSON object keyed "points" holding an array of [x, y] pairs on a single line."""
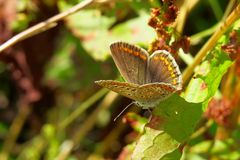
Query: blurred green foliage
{"points": [[80, 55]]}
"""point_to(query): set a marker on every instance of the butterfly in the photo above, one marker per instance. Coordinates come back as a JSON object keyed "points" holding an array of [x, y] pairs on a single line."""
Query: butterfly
{"points": [[149, 78]]}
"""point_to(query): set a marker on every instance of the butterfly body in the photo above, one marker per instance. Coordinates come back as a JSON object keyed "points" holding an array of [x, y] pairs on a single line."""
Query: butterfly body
{"points": [[150, 79]]}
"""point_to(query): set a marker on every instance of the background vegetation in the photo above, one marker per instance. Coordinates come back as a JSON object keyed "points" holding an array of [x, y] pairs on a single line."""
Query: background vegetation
{"points": [[50, 107]]}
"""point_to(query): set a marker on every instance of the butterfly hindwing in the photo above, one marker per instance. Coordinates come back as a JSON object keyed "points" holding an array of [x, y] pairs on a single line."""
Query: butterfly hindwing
{"points": [[153, 91], [131, 61], [163, 68]]}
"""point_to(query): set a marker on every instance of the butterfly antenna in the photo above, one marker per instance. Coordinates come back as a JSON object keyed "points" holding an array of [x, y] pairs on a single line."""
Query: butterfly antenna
{"points": [[122, 111]]}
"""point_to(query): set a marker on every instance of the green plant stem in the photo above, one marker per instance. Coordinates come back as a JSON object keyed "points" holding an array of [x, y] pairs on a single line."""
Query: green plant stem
{"points": [[14, 131], [43, 26], [216, 9], [186, 7], [196, 38], [201, 130], [82, 108], [199, 36], [229, 8], [224, 25]]}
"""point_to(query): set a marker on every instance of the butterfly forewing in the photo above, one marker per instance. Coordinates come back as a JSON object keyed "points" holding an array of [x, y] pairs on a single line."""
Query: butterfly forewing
{"points": [[123, 88], [131, 61], [142, 93], [163, 68]]}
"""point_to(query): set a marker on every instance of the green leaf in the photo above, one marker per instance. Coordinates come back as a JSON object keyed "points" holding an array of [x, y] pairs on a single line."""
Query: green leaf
{"points": [[208, 77], [92, 28], [179, 117], [219, 63], [173, 155], [98, 31], [196, 84], [154, 144], [135, 30], [173, 122]]}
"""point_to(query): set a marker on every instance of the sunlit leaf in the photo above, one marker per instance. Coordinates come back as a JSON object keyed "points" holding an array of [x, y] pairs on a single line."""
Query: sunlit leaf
{"points": [[154, 144], [175, 120], [205, 83], [219, 63], [95, 32]]}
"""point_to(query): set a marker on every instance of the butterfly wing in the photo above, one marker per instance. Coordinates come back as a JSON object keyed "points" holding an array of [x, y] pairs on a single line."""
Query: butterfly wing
{"points": [[131, 61], [123, 88], [163, 68], [143, 93], [153, 93]]}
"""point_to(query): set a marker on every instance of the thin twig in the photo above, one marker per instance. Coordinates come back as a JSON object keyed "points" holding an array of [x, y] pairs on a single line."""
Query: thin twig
{"points": [[211, 42], [43, 26]]}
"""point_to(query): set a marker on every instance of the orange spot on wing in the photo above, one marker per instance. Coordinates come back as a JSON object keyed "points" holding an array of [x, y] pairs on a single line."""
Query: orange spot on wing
{"points": [[170, 68], [166, 62], [156, 58], [173, 75], [124, 49], [136, 53], [143, 57], [130, 51]]}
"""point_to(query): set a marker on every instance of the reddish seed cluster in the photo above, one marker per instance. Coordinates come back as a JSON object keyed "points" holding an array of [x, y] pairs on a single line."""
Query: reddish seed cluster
{"points": [[233, 49], [171, 14], [183, 42], [161, 19], [219, 111]]}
